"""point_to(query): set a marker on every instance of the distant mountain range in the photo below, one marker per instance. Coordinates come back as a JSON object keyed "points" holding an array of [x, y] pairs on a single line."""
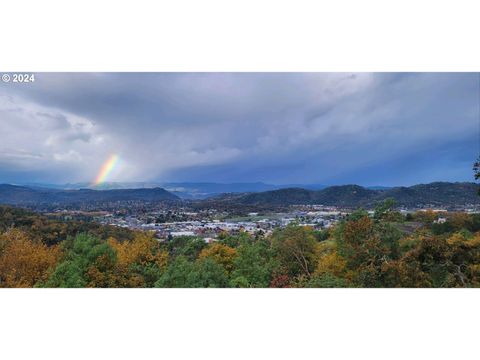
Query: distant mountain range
{"points": [[439, 194], [199, 190], [184, 190], [22, 195]]}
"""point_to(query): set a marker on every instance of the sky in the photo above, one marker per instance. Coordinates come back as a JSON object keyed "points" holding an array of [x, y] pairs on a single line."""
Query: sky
{"points": [[369, 129]]}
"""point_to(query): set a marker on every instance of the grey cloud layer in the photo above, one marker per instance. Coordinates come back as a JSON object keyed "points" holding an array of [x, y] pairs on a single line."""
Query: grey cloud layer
{"points": [[282, 128]]}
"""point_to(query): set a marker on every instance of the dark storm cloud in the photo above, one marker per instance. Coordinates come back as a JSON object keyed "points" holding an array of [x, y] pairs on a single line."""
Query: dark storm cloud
{"points": [[282, 128]]}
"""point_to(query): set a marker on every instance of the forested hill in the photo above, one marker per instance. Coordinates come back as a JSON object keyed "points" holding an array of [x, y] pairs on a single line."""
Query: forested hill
{"points": [[21, 195], [441, 194], [433, 194]]}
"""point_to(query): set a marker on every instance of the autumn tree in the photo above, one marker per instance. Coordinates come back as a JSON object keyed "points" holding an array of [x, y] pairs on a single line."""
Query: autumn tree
{"points": [[24, 262], [437, 261], [52, 231], [221, 254], [464, 259], [366, 246], [139, 262], [427, 216], [410, 270], [331, 267], [460, 220]]}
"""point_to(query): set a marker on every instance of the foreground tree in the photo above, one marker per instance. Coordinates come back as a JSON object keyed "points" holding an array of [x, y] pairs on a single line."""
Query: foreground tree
{"points": [[188, 246], [176, 274], [221, 254], [438, 261], [296, 248], [253, 266], [24, 262], [140, 261], [366, 247], [202, 273], [207, 273], [330, 267], [89, 262], [476, 171]]}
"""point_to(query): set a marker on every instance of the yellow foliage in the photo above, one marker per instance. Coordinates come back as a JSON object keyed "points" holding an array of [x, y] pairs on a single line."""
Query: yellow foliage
{"points": [[474, 241], [331, 263], [220, 253], [101, 274], [459, 220], [326, 246], [24, 262], [456, 239], [143, 249], [428, 216], [408, 242]]}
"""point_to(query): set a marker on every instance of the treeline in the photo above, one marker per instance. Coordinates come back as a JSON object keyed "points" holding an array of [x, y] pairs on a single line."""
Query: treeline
{"points": [[53, 230], [362, 251]]}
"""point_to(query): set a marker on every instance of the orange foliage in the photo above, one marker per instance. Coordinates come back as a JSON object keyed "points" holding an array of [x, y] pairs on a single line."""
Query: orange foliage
{"points": [[24, 262], [359, 230], [102, 274], [143, 250]]}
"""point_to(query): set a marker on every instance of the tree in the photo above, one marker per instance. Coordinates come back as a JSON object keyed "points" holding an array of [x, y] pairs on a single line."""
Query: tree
{"points": [[89, 262], [24, 262], [140, 261], [296, 248], [207, 273], [184, 274], [366, 247], [280, 281], [464, 259], [220, 253], [330, 262], [476, 170], [426, 216], [234, 240], [253, 265], [326, 281], [384, 208], [176, 274], [436, 261], [188, 246]]}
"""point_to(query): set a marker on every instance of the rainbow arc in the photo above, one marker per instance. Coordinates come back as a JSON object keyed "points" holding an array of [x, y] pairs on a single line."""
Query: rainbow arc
{"points": [[106, 169]]}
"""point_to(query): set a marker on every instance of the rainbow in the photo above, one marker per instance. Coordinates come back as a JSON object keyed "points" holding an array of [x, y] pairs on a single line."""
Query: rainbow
{"points": [[106, 169]]}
